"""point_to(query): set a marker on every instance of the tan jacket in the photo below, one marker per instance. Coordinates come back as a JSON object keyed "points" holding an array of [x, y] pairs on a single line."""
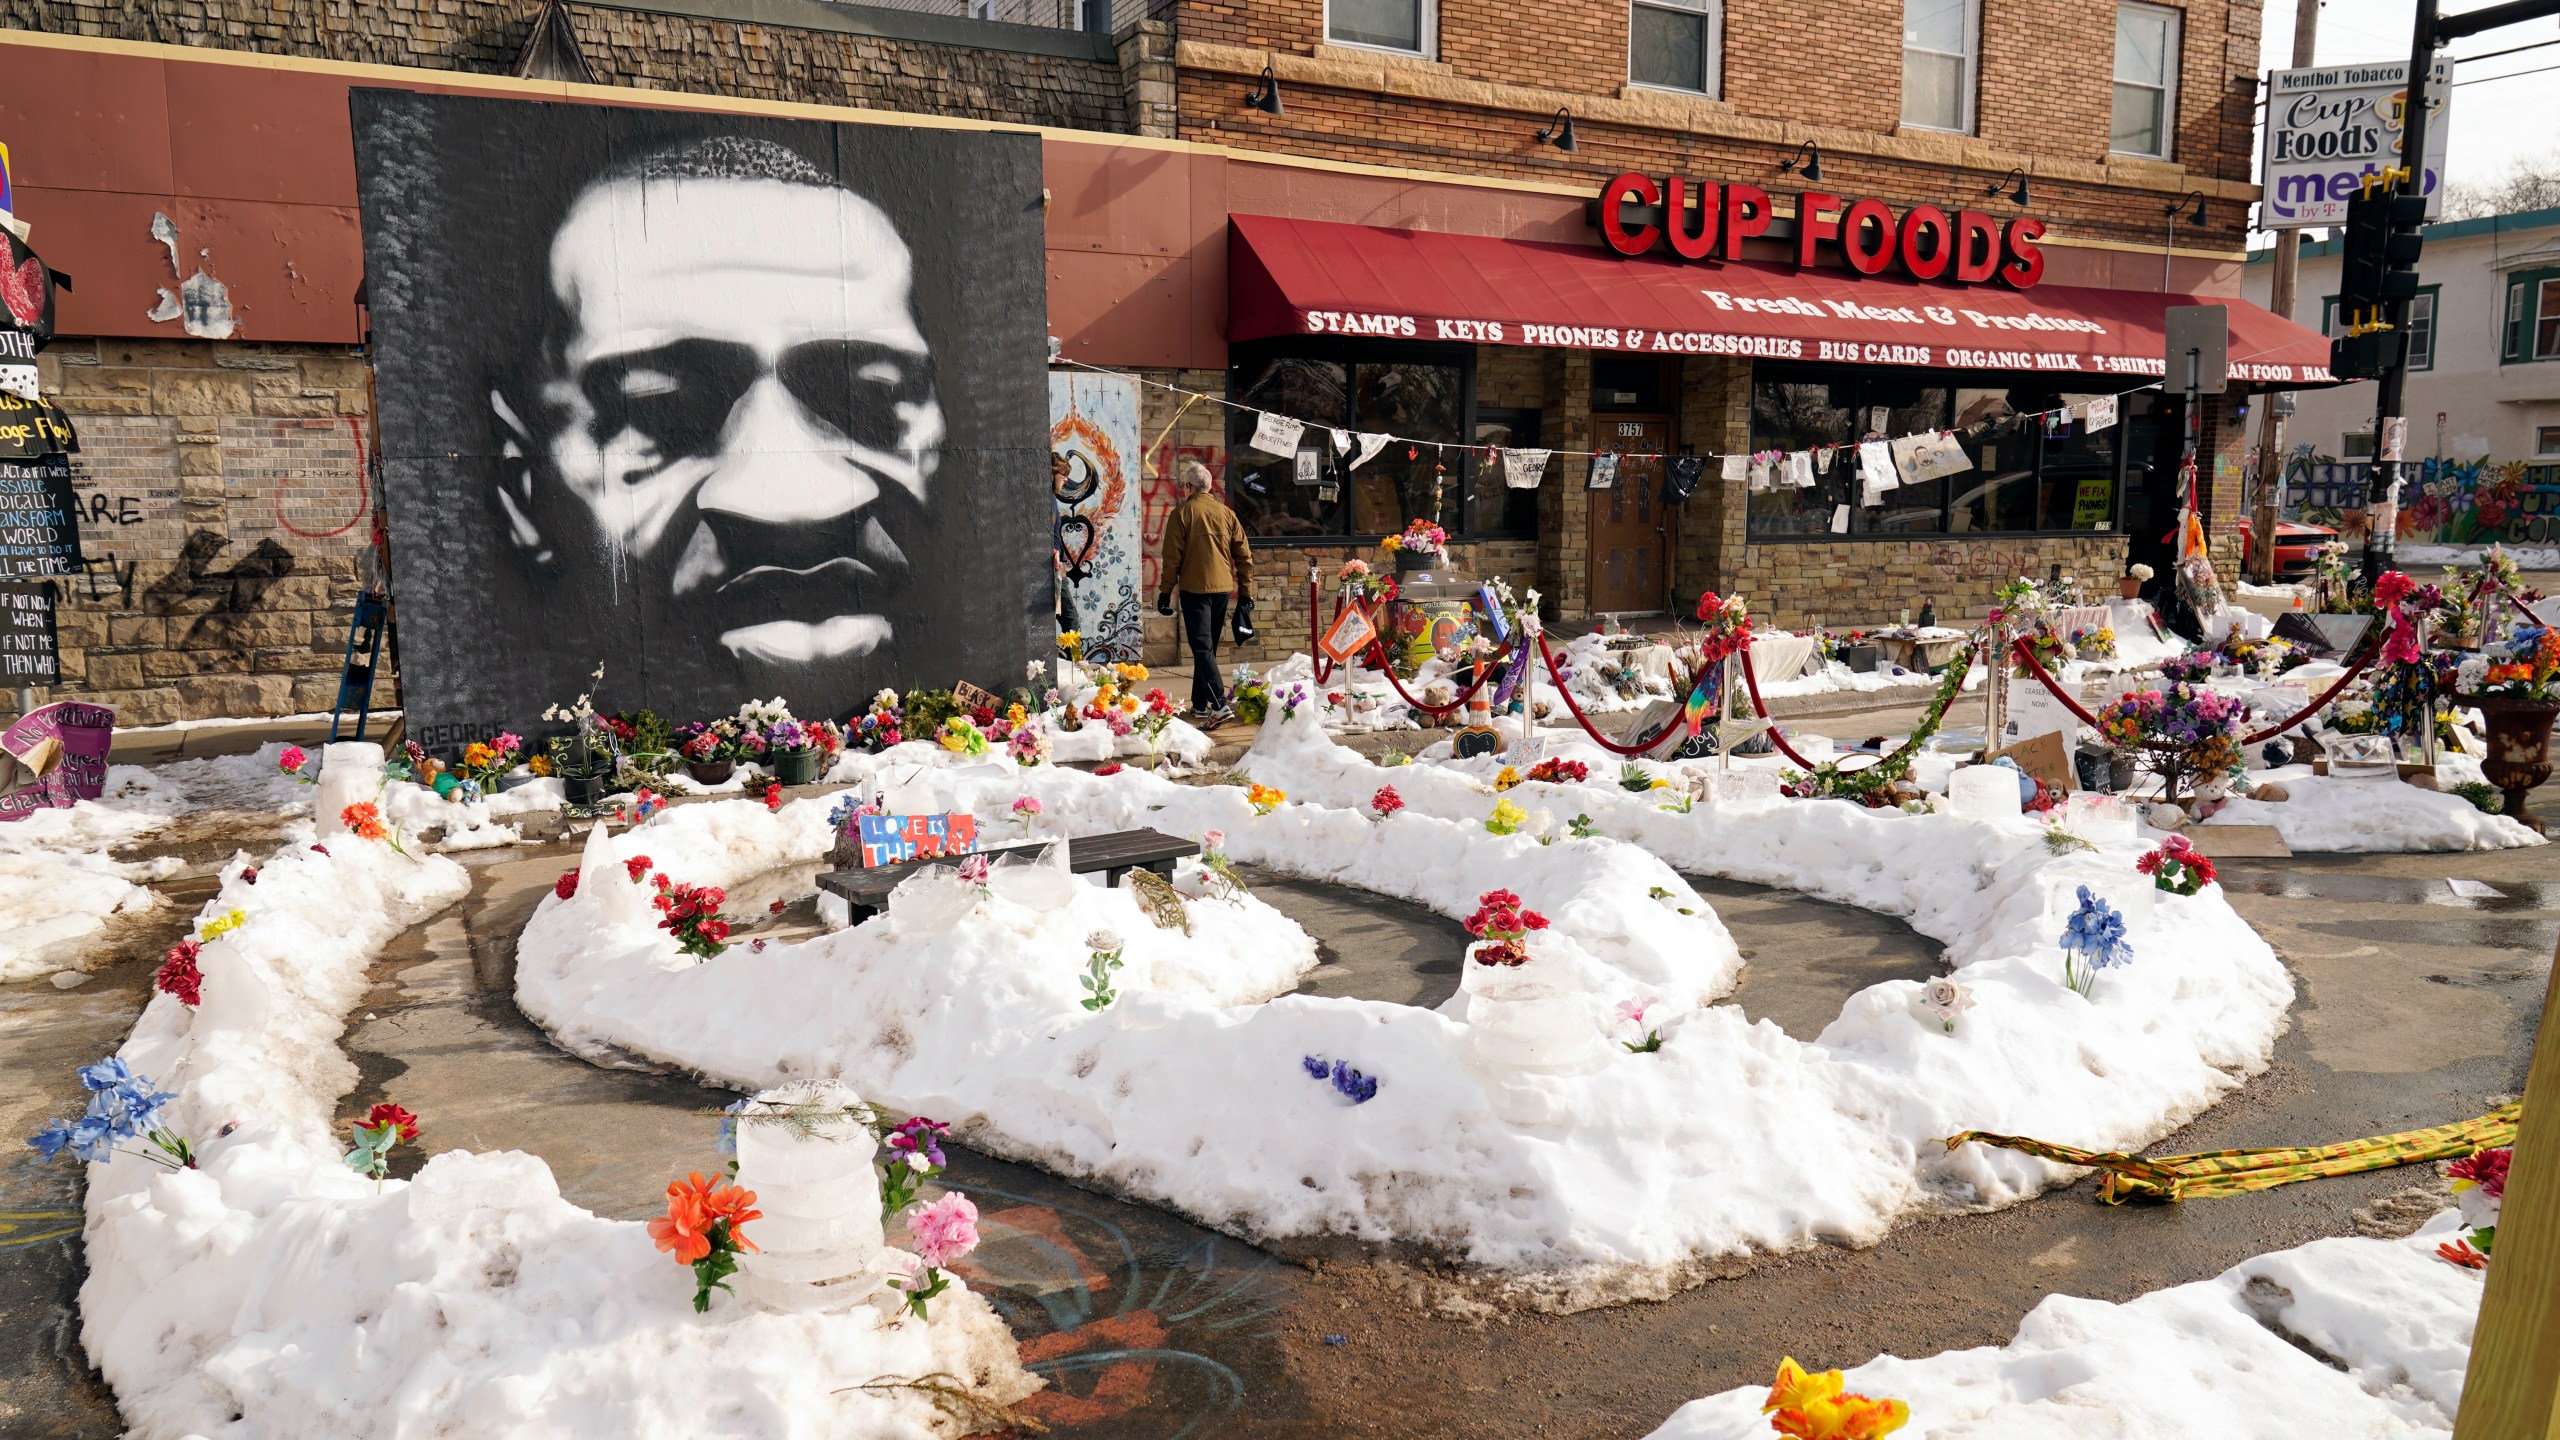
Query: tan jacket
{"points": [[1205, 552]]}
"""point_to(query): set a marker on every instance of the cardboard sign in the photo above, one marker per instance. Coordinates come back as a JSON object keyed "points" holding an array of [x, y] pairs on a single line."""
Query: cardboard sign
{"points": [[28, 654], [30, 429], [87, 733], [888, 839], [39, 519], [2032, 712], [2043, 756], [2093, 504], [1351, 632], [970, 697]]}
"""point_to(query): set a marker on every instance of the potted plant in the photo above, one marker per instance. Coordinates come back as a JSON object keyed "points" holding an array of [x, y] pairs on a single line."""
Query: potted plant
{"points": [[791, 752], [710, 752], [2513, 687], [1421, 546], [2130, 587]]}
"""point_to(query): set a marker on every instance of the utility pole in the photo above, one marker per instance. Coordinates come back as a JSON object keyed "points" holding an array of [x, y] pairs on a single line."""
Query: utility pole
{"points": [[2288, 264]]}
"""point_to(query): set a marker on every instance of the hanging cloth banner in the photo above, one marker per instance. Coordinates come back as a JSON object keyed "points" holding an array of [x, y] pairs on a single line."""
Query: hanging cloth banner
{"points": [[1524, 469], [1277, 434], [1370, 445], [1604, 472], [1800, 469], [1737, 467], [1939, 456], [1876, 474], [1341, 442]]}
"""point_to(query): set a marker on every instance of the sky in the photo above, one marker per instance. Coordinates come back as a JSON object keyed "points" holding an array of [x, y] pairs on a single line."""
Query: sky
{"points": [[2495, 122]]}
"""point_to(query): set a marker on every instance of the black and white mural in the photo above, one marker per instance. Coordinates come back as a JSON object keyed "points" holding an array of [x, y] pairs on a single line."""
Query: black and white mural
{"points": [[732, 406]]}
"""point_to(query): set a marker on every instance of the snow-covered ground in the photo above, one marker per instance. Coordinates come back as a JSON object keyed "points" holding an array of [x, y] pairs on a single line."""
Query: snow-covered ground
{"points": [[2333, 814], [2345, 1339], [1611, 1183], [275, 1293]]}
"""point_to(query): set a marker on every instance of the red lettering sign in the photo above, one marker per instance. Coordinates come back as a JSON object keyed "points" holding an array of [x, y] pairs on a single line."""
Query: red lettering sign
{"points": [[1691, 217]]}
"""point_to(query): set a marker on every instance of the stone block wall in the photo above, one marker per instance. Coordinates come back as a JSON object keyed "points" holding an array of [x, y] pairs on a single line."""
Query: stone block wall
{"points": [[226, 513]]}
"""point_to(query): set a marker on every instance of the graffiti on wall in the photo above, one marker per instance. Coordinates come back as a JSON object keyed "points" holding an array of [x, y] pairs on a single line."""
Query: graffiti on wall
{"points": [[1093, 449], [2452, 502]]}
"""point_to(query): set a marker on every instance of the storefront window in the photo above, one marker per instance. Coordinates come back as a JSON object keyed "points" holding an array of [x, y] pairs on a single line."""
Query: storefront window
{"points": [[2026, 475], [1425, 400], [1500, 511]]}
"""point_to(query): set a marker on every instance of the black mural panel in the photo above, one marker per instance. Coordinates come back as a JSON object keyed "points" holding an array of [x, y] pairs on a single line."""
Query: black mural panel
{"points": [[732, 406]]}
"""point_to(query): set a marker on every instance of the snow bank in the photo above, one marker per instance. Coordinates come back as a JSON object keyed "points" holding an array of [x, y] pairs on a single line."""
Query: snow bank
{"points": [[2330, 814], [274, 1293], [1631, 1176], [58, 885], [2339, 1338]]}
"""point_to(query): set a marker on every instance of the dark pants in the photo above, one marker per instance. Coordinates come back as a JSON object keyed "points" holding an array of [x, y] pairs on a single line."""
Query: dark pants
{"points": [[1202, 617]]}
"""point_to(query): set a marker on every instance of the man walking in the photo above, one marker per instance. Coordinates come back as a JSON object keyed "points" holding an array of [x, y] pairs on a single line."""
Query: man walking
{"points": [[1205, 557]]}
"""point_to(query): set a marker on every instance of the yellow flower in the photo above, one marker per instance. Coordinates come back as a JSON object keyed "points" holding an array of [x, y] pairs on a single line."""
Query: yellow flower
{"points": [[1264, 799], [1129, 703], [1391, 544], [1130, 674], [477, 755], [221, 925], [1660, 784], [539, 765], [1794, 1388], [1813, 1407], [1015, 714], [1508, 778], [1506, 818]]}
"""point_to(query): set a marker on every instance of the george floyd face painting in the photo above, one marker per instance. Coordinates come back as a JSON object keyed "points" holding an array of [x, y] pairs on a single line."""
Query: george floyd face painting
{"points": [[737, 407]]}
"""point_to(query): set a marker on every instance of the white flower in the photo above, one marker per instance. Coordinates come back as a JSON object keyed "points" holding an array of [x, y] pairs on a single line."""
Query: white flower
{"points": [[2472, 673], [2479, 1209], [1035, 671], [2142, 573], [1944, 999], [1105, 941]]}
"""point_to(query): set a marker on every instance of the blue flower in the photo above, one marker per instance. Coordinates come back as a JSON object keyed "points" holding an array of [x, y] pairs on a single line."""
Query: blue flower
{"points": [[2096, 930], [1315, 1067], [107, 1074], [728, 1142], [1358, 1087], [94, 1138], [48, 1142]]}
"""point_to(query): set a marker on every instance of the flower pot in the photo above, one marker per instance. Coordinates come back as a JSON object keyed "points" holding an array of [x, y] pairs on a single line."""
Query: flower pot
{"points": [[1415, 562], [516, 779], [585, 792], [2519, 755], [795, 767], [2129, 588], [710, 772]]}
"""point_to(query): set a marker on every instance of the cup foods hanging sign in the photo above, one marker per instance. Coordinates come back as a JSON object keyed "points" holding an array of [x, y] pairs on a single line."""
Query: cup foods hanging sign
{"points": [[2332, 128], [1639, 215]]}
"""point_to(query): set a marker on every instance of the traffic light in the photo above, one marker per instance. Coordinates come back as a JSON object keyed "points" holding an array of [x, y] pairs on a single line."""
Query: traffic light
{"points": [[2365, 356], [2379, 260]]}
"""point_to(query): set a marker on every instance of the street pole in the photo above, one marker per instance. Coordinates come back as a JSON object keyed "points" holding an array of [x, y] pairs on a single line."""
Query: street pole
{"points": [[2390, 426], [2288, 265]]}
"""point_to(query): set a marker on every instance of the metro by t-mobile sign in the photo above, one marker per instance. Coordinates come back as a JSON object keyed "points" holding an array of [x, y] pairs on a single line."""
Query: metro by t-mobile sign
{"points": [[1697, 221]]}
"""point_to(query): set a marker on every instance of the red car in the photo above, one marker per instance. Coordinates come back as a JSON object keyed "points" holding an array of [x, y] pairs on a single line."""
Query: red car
{"points": [[2297, 547]]}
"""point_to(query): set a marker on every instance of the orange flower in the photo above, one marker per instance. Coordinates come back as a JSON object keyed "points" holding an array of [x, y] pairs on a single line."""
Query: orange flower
{"points": [[1813, 1407], [694, 1205], [364, 820]]}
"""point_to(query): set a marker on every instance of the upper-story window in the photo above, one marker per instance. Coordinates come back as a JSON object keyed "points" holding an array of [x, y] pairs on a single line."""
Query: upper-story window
{"points": [[1404, 25], [2146, 113], [1672, 44], [2533, 316], [1941, 41]]}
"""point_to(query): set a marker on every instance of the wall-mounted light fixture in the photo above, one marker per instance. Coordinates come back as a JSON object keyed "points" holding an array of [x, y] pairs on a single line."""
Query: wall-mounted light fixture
{"points": [[2195, 218], [1808, 155], [1559, 132], [1265, 95], [2018, 192]]}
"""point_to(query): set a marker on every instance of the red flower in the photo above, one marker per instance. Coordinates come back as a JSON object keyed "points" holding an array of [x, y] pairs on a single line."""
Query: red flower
{"points": [[1386, 802], [2485, 1168], [636, 867], [773, 797], [389, 1114], [1111, 769], [566, 885], [319, 849], [178, 973], [983, 716]]}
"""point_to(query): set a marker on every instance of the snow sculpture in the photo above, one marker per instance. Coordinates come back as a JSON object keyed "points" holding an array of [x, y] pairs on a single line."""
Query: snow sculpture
{"points": [[806, 1154]]}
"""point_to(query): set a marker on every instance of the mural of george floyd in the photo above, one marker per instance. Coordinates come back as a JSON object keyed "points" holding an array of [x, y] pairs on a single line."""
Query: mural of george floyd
{"points": [[733, 406]]}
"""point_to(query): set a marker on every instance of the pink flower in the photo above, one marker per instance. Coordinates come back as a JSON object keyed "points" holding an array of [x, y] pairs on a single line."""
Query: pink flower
{"points": [[292, 760], [1631, 1012], [974, 870], [1027, 805], [508, 742], [1213, 840], [944, 1230]]}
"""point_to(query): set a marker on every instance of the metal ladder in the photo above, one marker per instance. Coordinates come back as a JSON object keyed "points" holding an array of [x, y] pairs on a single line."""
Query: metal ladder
{"points": [[355, 680]]}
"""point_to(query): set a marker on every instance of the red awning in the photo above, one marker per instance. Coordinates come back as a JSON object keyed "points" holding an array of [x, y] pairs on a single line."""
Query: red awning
{"points": [[1312, 277]]}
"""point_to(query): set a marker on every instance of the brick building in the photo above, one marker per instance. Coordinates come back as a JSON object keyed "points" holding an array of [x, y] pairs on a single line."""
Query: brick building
{"points": [[224, 472]]}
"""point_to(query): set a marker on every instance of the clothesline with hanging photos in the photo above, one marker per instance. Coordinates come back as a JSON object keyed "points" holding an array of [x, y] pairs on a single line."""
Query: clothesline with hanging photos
{"points": [[1880, 463]]}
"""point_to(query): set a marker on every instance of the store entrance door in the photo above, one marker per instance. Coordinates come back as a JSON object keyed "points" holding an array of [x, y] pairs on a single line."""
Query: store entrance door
{"points": [[1630, 532]]}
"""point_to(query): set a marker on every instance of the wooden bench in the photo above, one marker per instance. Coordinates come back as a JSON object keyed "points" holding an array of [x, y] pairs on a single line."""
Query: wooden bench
{"points": [[865, 892]]}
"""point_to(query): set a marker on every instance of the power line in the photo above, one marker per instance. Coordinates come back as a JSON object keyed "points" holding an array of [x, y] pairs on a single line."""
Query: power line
{"points": [[2510, 50], [2517, 75]]}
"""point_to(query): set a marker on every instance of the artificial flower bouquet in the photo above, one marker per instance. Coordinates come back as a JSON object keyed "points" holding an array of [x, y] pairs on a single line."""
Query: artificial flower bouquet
{"points": [[2522, 666], [1502, 922], [1727, 627], [1419, 538], [2177, 866], [1360, 582], [2479, 1189], [2098, 644]]}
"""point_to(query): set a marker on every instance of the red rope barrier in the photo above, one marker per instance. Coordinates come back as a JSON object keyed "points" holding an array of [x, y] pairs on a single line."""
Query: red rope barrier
{"points": [[1604, 742], [1323, 662], [1436, 712], [2072, 702], [1751, 679]]}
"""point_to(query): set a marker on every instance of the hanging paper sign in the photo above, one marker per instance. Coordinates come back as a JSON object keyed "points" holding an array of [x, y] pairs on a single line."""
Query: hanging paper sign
{"points": [[18, 362], [1939, 456], [888, 839], [1351, 632], [1524, 469], [970, 697], [1277, 434], [1370, 445], [28, 654], [1341, 441], [30, 429], [2102, 412], [1737, 467], [1839, 519], [39, 518], [86, 733], [1800, 469], [1604, 472], [1876, 474]]}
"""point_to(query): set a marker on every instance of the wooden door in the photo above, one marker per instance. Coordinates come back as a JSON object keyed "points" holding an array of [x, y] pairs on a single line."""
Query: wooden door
{"points": [[1630, 532]]}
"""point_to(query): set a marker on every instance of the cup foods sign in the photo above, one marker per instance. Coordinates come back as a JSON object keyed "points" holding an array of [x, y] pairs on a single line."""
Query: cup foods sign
{"points": [[2329, 129]]}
